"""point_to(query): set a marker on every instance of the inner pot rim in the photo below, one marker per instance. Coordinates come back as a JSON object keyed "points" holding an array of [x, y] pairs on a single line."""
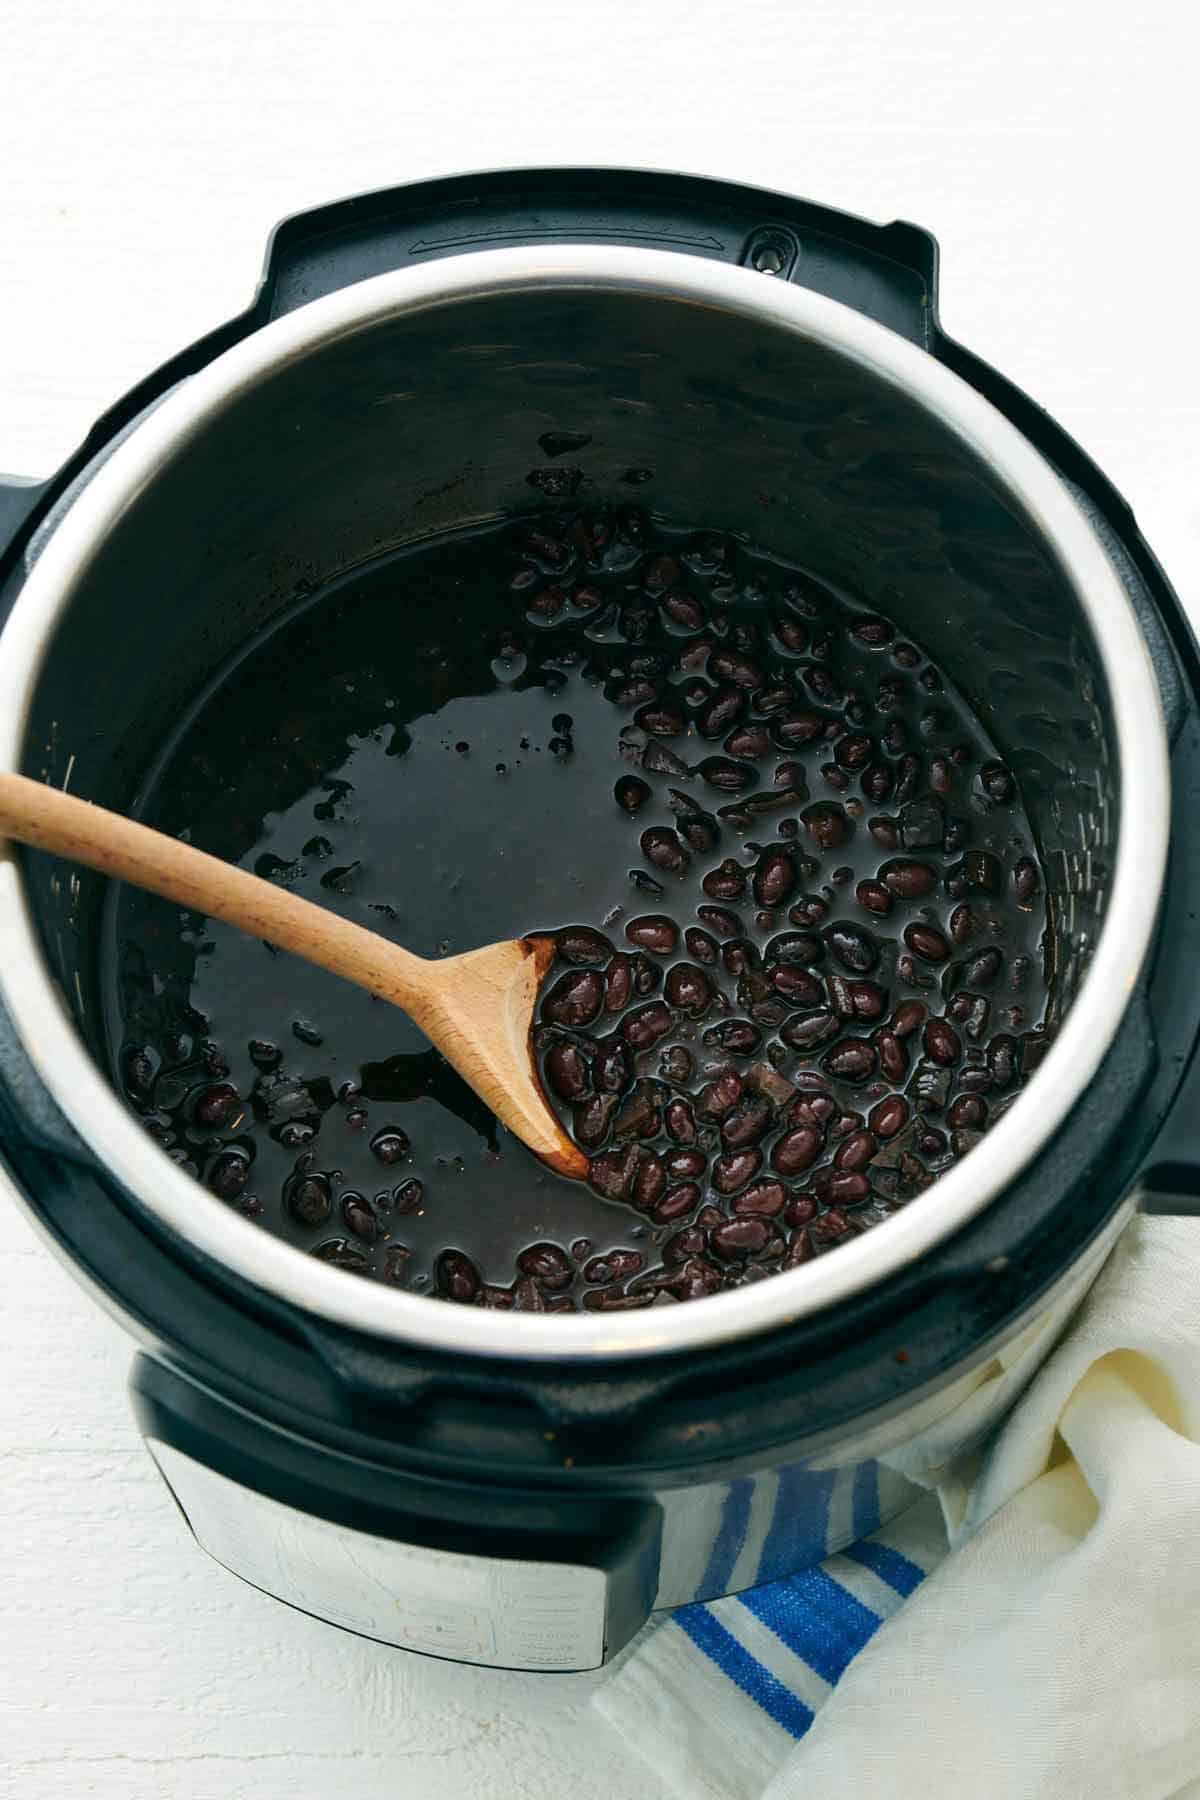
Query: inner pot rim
{"points": [[180, 1204]]}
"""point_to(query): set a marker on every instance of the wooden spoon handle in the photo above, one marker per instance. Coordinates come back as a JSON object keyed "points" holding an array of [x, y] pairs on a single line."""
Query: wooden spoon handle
{"points": [[115, 846]]}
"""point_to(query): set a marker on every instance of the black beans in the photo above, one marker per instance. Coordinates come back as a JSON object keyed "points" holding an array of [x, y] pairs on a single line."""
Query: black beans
{"points": [[736, 1238], [699, 945], [631, 793], [664, 849], [850, 1060], [907, 879], [828, 824], [797, 986], [390, 1146], [942, 1043], [612, 1172], [567, 1071], [726, 775], [592, 1120], [889, 1117], [797, 1150], [746, 1123], [807, 1032], [732, 1070], [456, 1276], [655, 932], [734, 1168], [646, 1024], [679, 1120], [612, 1070], [726, 882], [927, 942], [574, 999], [689, 988], [855, 949], [309, 1199], [718, 714], [582, 947], [774, 878], [1026, 880], [997, 783], [359, 1216]]}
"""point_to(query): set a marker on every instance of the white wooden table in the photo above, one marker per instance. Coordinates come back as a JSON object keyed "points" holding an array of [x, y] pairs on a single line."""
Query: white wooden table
{"points": [[146, 149]]}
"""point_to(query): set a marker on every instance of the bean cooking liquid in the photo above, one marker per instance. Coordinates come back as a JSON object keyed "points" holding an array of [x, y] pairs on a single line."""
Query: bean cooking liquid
{"points": [[796, 898]]}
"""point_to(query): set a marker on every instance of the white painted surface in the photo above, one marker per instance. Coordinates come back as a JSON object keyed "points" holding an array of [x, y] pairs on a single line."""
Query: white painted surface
{"points": [[146, 150]]}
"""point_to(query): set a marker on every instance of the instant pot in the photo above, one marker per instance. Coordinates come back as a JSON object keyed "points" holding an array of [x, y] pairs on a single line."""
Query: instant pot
{"points": [[522, 1490]]}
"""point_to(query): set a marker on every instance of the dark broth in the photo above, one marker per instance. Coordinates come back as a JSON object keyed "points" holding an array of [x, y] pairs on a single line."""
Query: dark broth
{"points": [[520, 729]]}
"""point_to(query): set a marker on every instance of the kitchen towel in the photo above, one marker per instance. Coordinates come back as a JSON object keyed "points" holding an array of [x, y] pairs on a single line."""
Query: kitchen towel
{"points": [[1028, 1631]]}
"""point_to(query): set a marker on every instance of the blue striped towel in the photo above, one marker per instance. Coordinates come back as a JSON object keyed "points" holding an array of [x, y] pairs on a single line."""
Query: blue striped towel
{"points": [[715, 1696]]}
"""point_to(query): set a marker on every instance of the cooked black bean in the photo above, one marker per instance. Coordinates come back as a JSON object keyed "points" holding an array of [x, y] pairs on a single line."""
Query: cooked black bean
{"points": [[592, 1120], [797, 986], [631, 793], [742, 671], [677, 1202], [309, 1199], [907, 879], [855, 948], [726, 775], [981, 970], [567, 1071], [747, 1123], [612, 1172], [653, 931], [690, 988], [774, 878], [738, 1036], [390, 1145], [575, 999], [646, 1024], [665, 849], [809, 1030], [734, 1168], [647, 976], [1002, 1055], [927, 942], [942, 1043], [853, 750], [797, 1149], [676, 1065], [699, 945], [723, 710], [828, 824], [738, 955], [1026, 880], [612, 1068], [740, 1237], [726, 882], [889, 1116], [456, 1276], [679, 1120], [359, 1216], [852, 1059], [980, 869], [964, 923], [997, 783]]}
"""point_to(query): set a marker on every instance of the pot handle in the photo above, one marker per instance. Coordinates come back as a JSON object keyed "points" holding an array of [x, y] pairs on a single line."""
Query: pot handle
{"points": [[888, 271]]}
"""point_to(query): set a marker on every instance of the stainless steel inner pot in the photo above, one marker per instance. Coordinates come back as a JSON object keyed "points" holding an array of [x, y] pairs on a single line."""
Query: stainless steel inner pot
{"points": [[411, 404]]}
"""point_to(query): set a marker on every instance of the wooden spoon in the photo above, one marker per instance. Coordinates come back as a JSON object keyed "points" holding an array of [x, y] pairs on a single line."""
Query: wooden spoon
{"points": [[476, 1008]]}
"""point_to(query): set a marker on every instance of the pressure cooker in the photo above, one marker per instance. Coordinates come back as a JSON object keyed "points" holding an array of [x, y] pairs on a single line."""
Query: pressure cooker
{"points": [[522, 1490]]}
